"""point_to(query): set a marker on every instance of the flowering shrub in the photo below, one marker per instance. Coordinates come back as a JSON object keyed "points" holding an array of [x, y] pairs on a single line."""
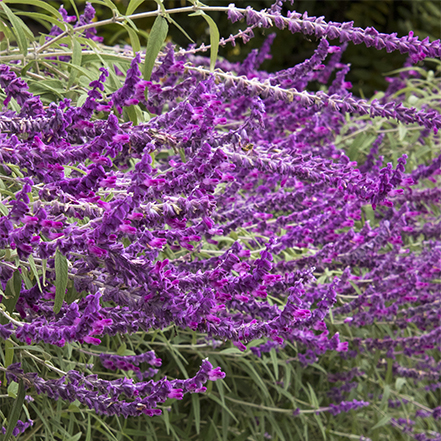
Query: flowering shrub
{"points": [[165, 213]]}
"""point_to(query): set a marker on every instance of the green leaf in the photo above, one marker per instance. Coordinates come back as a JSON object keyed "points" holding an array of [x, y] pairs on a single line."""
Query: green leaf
{"points": [[256, 377], [13, 389], [15, 412], [55, 87], [26, 68], [84, 173], [61, 277], [196, 406], [214, 40], [356, 288], [34, 271], [32, 348], [313, 397], [273, 355], [218, 401], [170, 19], [3, 28], [287, 377], [134, 40], [389, 373], [382, 422], [45, 18], [86, 72], [157, 37], [41, 4], [243, 436], [225, 425], [402, 131], [130, 114], [320, 423], [7, 192], [384, 399], [74, 6], [214, 37], [108, 3], [133, 5], [26, 279], [12, 293], [115, 36], [72, 294], [181, 152], [370, 214], [166, 419], [19, 30], [9, 353], [121, 349], [399, 383], [102, 56], [213, 425], [229, 351], [44, 265], [276, 427], [76, 61], [3, 210]]}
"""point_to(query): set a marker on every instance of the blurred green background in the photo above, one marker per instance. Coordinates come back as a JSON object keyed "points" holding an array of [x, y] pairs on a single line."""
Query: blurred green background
{"points": [[368, 64]]}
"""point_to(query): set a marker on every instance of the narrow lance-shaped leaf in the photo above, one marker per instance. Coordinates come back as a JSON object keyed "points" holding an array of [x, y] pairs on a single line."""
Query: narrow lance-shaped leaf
{"points": [[61, 278], [214, 37], [18, 28], [9, 354], [214, 40], [34, 271], [157, 37], [15, 412], [6, 31], [44, 265], [134, 40], [74, 7], [76, 61], [41, 4], [3, 210], [170, 19], [109, 4], [12, 293], [197, 412], [133, 5]]}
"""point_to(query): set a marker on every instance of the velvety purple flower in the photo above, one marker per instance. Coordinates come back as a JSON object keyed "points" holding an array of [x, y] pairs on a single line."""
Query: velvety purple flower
{"points": [[86, 18], [19, 428], [346, 406], [233, 14], [123, 95]]}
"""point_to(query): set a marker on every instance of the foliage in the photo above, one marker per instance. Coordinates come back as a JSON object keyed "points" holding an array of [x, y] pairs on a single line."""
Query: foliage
{"points": [[193, 248]]}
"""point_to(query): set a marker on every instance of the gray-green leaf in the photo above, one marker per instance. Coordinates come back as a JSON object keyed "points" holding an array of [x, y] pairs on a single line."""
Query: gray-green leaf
{"points": [[156, 39], [34, 270], [61, 276], [76, 61], [19, 30], [133, 5], [214, 40], [12, 293], [15, 412], [214, 37]]}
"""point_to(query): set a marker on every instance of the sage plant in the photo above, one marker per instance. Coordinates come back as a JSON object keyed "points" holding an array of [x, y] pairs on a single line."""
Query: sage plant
{"points": [[219, 202]]}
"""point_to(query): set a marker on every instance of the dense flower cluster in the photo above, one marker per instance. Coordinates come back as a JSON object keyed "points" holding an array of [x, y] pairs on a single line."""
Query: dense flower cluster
{"points": [[228, 211], [20, 427], [104, 396]]}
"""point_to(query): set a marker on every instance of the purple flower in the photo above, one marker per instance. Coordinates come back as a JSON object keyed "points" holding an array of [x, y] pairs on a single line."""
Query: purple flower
{"points": [[346, 406], [233, 14]]}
